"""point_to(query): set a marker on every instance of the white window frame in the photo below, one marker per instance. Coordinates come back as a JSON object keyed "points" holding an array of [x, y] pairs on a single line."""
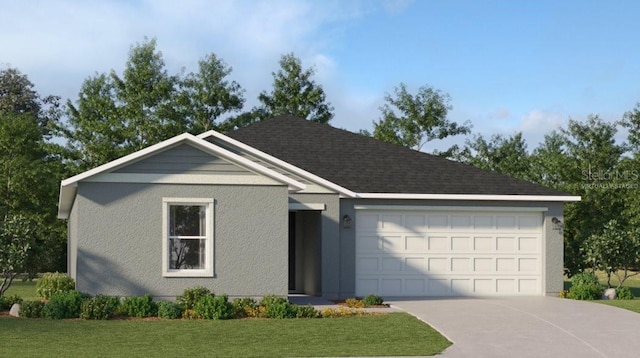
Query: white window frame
{"points": [[208, 269]]}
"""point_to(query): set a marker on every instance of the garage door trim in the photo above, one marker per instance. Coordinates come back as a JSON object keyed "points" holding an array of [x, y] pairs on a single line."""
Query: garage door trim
{"points": [[450, 208]]}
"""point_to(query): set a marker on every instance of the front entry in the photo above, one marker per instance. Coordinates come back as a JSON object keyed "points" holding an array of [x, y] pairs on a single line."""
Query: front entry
{"points": [[305, 233]]}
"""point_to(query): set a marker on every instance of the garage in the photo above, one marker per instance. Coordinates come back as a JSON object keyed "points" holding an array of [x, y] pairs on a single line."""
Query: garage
{"points": [[449, 251]]}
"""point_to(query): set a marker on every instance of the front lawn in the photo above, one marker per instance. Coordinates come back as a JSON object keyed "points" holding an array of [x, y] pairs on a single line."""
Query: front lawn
{"points": [[24, 289], [394, 334], [633, 283]]}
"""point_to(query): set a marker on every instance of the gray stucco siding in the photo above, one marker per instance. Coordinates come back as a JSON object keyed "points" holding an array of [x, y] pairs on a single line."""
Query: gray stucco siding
{"points": [[119, 239], [553, 244]]}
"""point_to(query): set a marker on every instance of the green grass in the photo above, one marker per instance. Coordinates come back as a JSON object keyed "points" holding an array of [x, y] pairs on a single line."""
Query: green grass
{"points": [[395, 334], [26, 290], [633, 283]]}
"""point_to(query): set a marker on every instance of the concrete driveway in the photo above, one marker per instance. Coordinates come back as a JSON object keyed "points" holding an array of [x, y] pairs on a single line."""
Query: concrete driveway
{"points": [[529, 327]]}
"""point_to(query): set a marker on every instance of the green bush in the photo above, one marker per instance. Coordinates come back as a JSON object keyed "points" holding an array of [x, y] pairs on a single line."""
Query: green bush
{"points": [[52, 283], [31, 309], [214, 307], [584, 278], [307, 311], [243, 306], [624, 293], [64, 305], [99, 307], [139, 306], [585, 286], [372, 300], [192, 295], [277, 307], [169, 310], [7, 301]]}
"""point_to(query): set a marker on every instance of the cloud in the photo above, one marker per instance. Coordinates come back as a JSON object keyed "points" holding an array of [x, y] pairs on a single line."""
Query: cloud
{"points": [[395, 7], [500, 113]]}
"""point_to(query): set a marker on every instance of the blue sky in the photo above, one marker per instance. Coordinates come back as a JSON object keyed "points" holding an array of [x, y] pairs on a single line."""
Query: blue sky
{"points": [[508, 66]]}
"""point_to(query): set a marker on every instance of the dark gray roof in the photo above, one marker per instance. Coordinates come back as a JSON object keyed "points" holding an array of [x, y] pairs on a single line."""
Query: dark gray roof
{"points": [[366, 165]]}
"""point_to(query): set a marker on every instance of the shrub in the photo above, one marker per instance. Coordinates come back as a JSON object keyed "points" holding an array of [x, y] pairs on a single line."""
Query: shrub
{"points": [[64, 305], [564, 294], [192, 295], [341, 312], [372, 300], [31, 309], [52, 283], [624, 293], [7, 301], [214, 307], [190, 314], [242, 307], [277, 307], [139, 306], [585, 286], [100, 307], [169, 310], [354, 303], [306, 312]]}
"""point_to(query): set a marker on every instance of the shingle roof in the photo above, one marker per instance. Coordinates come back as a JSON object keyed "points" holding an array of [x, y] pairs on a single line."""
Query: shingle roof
{"points": [[366, 165]]}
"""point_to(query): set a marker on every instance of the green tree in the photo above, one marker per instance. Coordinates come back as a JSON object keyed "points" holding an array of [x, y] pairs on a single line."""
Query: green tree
{"points": [[31, 168], [499, 154], [615, 250], [117, 114], [294, 93], [413, 120], [583, 159], [15, 235], [207, 94]]}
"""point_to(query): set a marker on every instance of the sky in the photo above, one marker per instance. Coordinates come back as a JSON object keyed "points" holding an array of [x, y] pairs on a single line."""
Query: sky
{"points": [[508, 66]]}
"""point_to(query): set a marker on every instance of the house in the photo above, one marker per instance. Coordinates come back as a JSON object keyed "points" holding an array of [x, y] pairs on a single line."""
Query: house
{"points": [[288, 205]]}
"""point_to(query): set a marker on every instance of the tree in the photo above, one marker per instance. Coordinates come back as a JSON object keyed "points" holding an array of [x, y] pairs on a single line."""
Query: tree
{"points": [[499, 154], [412, 121], [615, 250], [31, 168], [117, 114], [583, 159], [206, 95], [294, 93], [15, 234]]}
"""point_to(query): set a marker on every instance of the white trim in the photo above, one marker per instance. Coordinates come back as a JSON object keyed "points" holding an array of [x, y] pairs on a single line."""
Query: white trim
{"points": [[280, 163], [208, 270], [67, 197], [183, 179], [307, 206], [450, 208], [467, 197]]}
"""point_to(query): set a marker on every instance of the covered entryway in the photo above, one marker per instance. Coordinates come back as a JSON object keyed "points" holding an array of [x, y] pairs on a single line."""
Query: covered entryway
{"points": [[305, 242], [435, 251]]}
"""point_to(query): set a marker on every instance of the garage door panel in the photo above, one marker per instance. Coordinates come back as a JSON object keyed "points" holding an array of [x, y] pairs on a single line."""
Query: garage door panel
{"points": [[448, 253]]}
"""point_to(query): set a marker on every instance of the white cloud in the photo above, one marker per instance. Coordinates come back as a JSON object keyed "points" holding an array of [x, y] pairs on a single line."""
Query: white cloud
{"points": [[396, 6], [500, 113]]}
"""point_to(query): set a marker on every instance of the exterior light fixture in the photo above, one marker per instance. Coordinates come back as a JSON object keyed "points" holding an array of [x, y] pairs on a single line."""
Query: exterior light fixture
{"points": [[557, 224], [346, 222]]}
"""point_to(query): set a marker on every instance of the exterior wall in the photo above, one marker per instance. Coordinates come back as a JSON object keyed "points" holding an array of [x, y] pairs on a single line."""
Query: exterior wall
{"points": [[72, 241], [119, 236], [553, 245], [330, 245], [184, 159]]}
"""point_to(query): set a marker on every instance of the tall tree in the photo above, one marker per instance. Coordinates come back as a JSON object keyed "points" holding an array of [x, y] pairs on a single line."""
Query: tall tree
{"points": [[413, 120], [30, 168], [207, 94], [295, 93], [583, 159], [117, 114], [503, 155]]}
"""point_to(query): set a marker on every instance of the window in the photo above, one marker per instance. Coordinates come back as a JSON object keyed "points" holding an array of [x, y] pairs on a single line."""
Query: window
{"points": [[187, 236]]}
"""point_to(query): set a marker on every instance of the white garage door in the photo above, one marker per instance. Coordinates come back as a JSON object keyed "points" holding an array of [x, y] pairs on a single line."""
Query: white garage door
{"points": [[448, 253]]}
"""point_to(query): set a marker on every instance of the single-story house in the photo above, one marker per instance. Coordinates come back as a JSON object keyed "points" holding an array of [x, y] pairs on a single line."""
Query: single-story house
{"points": [[287, 205]]}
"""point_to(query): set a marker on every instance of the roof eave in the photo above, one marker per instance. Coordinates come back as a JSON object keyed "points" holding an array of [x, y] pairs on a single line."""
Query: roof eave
{"points": [[538, 198]]}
